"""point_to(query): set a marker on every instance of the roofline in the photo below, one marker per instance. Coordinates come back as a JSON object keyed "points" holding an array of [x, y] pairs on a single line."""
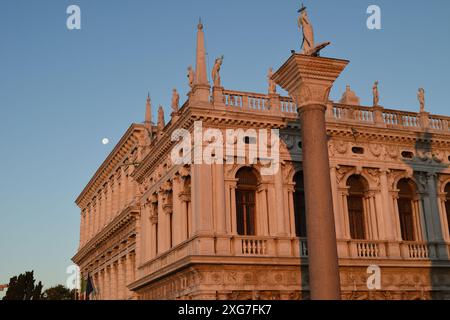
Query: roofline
{"points": [[122, 141]]}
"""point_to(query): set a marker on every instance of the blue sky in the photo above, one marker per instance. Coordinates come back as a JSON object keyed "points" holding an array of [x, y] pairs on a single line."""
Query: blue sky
{"points": [[62, 91]]}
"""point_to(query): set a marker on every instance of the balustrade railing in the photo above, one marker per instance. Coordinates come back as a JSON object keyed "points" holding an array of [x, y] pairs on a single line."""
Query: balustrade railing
{"points": [[251, 246], [367, 249], [416, 250], [261, 103]]}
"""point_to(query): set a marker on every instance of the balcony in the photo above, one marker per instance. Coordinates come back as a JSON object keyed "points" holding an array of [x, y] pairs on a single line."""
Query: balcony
{"points": [[406, 250]]}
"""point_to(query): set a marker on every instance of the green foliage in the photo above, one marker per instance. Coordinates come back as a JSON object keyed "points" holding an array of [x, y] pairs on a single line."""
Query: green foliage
{"points": [[23, 287], [59, 292]]}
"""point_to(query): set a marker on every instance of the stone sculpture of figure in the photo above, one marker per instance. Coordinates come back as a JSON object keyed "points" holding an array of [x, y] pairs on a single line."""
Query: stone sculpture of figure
{"points": [[272, 84], [216, 72], [161, 122], [376, 96], [175, 100], [191, 76], [308, 33], [421, 98]]}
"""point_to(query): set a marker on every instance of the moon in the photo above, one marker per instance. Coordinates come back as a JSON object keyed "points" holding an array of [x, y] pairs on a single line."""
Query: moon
{"points": [[105, 141]]}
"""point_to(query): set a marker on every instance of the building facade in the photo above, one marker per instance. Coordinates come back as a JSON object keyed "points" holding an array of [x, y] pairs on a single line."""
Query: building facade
{"points": [[152, 228]]}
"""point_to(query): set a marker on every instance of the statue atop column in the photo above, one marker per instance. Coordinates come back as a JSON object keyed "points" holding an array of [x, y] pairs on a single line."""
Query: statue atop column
{"points": [[421, 98], [308, 46], [175, 100], [376, 96], [272, 84], [190, 76], [216, 72]]}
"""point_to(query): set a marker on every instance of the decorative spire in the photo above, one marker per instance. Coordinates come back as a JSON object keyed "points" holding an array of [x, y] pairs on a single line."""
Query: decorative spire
{"points": [[200, 68], [148, 113], [161, 122]]}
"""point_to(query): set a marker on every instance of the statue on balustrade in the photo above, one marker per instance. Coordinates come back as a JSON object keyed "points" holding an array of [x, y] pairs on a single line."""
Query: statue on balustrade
{"points": [[376, 95], [216, 72], [421, 98], [272, 84], [308, 46], [175, 101]]}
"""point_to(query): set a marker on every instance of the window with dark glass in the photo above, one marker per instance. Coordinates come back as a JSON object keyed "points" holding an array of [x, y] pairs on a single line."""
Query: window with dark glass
{"points": [[299, 205], [245, 201], [405, 200], [355, 203]]}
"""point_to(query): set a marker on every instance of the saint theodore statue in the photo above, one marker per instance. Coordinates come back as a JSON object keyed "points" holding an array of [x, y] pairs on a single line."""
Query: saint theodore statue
{"points": [[308, 45]]}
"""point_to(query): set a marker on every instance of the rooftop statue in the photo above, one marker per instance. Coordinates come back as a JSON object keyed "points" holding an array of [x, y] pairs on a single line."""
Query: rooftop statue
{"points": [[421, 98], [175, 100], [272, 84], [349, 97], [376, 95], [308, 46], [216, 72]]}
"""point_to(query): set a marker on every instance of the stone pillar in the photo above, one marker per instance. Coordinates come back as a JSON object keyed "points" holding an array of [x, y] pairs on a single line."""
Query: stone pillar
{"points": [[291, 210], [114, 195], [437, 234], [279, 201], [339, 220], [108, 203], [88, 222], [102, 284], [121, 279], [128, 275], [443, 216], [82, 226], [219, 193], [177, 211], [101, 209], [107, 282], [113, 291], [309, 80]]}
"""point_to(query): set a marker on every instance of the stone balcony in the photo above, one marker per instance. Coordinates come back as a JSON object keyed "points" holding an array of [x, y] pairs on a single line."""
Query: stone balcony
{"points": [[284, 250], [404, 250]]}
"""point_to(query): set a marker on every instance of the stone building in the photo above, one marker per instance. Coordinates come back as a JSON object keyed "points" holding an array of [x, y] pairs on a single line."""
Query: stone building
{"points": [[155, 229]]}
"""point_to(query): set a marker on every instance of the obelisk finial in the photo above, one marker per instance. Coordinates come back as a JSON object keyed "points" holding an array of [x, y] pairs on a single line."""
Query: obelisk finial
{"points": [[200, 68], [148, 113]]}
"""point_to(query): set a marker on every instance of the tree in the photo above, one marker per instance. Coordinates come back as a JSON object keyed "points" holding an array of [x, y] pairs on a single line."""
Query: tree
{"points": [[59, 292], [23, 287]]}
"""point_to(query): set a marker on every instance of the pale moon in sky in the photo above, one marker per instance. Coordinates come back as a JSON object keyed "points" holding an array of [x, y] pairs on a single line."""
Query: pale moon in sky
{"points": [[105, 141]]}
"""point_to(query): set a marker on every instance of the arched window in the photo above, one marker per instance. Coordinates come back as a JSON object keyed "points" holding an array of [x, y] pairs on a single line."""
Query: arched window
{"points": [[355, 202], [245, 201], [447, 205], [299, 205], [406, 194]]}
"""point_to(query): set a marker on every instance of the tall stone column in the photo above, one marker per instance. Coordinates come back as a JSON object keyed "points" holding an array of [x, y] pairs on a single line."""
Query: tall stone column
{"points": [[121, 279], [107, 290], [128, 274], [309, 80]]}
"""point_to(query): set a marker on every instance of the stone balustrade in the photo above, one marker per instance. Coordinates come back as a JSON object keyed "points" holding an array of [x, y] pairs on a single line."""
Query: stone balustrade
{"points": [[260, 246], [240, 246], [246, 101], [378, 116], [379, 249]]}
